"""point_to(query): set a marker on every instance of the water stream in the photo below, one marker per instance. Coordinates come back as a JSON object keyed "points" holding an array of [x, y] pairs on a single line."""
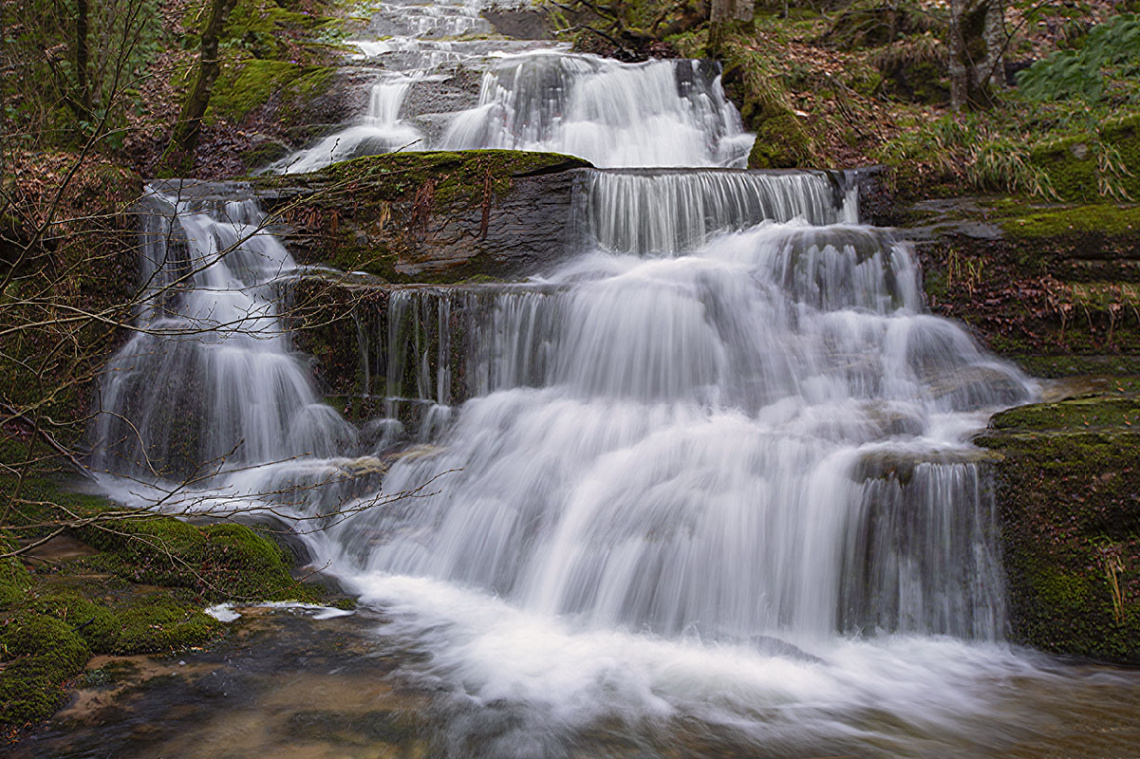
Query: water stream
{"points": [[708, 483]]}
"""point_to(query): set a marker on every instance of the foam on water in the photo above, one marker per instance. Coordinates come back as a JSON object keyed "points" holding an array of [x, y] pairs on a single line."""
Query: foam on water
{"points": [[520, 684]]}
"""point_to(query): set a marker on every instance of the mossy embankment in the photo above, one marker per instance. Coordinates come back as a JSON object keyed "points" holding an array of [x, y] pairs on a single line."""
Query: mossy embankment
{"points": [[1053, 287], [1068, 486], [109, 581], [281, 82], [438, 217]]}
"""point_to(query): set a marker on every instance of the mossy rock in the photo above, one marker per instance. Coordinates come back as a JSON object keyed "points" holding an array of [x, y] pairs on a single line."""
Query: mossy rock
{"points": [[781, 143], [98, 625], [34, 634], [219, 561], [1075, 414], [41, 652], [1071, 166], [1072, 162], [30, 691], [432, 217], [161, 623], [246, 86], [1068, 489], [14, 580], [1098, 219], [53, 618]]}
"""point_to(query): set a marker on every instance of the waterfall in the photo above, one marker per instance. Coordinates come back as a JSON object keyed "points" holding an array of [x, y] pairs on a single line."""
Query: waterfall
{"points": [[380, 131], [677, 211], [208, 379], [687, 443], [660, 113], [710, 476]]}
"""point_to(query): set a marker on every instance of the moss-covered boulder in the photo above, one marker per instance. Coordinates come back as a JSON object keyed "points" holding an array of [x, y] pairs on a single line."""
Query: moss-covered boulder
{"points": [[39, 653], [1091, 166], [781, 143], [431, 217], [1068, 488]]}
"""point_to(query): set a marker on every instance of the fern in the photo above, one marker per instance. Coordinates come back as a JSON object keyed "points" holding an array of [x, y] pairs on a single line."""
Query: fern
{"points": [[1079, 74]]}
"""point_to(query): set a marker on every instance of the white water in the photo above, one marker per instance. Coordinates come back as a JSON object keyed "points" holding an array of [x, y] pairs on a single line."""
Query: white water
{"points": [[660, 113], [209, 381], [725, 489], [380, 131]]}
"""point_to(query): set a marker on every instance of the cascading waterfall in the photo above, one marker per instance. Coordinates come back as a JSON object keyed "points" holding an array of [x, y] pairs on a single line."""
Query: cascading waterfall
{"points": [[660, 113], [208, 380], [750, 451], [708, 478], [662, 419], [380, 131]]}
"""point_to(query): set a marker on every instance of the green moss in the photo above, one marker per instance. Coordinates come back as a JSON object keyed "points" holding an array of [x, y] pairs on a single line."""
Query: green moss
{"points": [[39, 653], [1072, 414], [1069, 524], [30, 691], [1066, 593], [398, 176], [33, 634], [14, 580], [245, 86], [98, 625], [1073, 163], [220, 561], [1107, 219], [348, 216], [1071, 166], [162, 623], [781, 143], [1074, 366]]}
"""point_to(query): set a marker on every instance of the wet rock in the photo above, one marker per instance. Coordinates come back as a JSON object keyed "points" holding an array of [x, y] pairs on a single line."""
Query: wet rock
{"points": [[432, 217], [1068, 492]]}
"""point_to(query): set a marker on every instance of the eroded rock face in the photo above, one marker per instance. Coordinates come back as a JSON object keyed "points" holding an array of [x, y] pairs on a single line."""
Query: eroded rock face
{"points": [[432, 217], [1054, 288], [1068, 490]]}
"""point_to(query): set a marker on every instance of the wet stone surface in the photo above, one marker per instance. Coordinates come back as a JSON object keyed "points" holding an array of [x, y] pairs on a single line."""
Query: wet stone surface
{"points": [[281, 684]]}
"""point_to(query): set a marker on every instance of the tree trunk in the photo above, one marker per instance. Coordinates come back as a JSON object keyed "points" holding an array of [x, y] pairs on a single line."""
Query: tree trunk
{"points": [[993, 69], [82, 86], [744, 10], [189, 124], [959, 73], [719, 15]]}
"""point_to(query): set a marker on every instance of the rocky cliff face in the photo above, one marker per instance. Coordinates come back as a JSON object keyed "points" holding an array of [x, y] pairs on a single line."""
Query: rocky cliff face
{"points": [[431, 217]]}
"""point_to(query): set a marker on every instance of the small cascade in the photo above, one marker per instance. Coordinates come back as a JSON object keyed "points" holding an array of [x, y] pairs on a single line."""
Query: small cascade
{"points": [[402, 19], [660, 113], [677, 211], [380, 131], [533, 96], [208, 380]]}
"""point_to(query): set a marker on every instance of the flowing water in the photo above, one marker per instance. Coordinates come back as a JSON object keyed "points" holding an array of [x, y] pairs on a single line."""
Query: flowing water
{"points": [[705, 489]]}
